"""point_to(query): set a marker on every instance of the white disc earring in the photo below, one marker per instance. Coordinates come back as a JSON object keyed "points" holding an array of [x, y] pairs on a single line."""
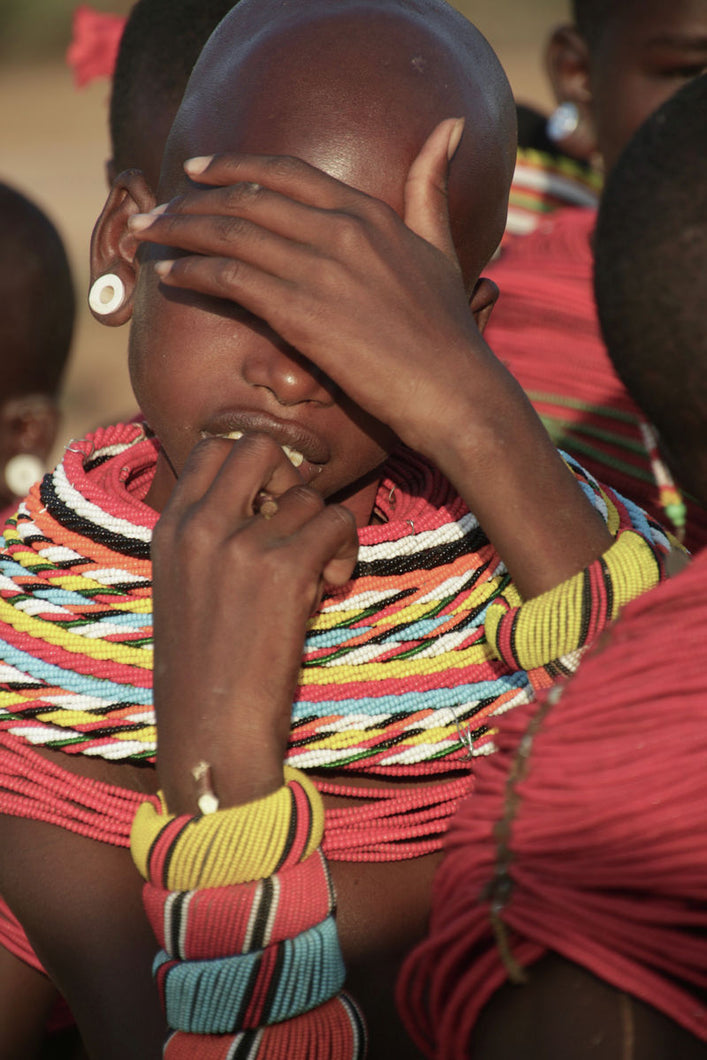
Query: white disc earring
{"points": [[562, 122], [21, 473], [107, 294]]}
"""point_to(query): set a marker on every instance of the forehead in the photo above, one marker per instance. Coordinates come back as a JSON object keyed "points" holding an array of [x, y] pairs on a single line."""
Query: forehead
{"points": [[353, 88], [635, 24]]}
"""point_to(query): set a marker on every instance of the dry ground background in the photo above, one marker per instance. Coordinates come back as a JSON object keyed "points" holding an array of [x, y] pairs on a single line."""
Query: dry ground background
{"points": [[53, 143]]}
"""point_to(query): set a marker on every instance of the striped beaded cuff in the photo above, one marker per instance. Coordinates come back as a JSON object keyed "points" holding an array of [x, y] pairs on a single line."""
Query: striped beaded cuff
{"points": [[221, 921], [536, 633], [253, 989], [334, 1031], [232, 846]]}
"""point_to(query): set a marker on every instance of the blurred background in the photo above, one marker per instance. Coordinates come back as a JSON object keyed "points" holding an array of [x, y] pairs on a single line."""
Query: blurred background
{"points": [[53, 146]]}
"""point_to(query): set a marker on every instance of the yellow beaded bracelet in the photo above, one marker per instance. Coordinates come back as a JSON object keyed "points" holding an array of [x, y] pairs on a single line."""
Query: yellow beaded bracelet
{"points": [[231, 846], [536, 632]]}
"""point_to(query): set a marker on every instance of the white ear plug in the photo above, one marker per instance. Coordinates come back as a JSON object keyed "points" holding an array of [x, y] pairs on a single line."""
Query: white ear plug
{"points": [[563, 121], [107, 294], [21, 473]]}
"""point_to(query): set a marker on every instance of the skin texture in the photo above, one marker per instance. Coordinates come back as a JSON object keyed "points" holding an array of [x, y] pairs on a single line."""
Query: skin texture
{"points": [[646, 51], [563, 1010], [328, 308]]}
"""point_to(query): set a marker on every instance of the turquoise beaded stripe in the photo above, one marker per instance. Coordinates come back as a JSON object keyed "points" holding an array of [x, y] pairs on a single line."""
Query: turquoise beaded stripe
{"points": [[212, 997]]}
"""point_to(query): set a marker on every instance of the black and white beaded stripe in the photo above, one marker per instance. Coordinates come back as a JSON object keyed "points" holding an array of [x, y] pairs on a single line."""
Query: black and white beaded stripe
{"points": [[262, 914], [427, 550], [105, 453], [69, 508], [246, 1045], [175, 920], [358, 1027]]}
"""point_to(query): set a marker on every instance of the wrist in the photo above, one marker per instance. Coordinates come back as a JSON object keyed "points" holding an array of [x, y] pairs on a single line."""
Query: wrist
{"points": [[470, 413], [243, 765]]}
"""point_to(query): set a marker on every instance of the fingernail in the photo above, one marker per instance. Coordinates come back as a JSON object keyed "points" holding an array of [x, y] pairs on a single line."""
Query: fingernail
{"points": [[454, 137], [159, 209], [138, 221], [194, 166], [163, 268]]}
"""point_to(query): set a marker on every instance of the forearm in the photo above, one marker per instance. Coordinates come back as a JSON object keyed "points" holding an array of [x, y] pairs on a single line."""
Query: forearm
{"points": [[492, 446]]}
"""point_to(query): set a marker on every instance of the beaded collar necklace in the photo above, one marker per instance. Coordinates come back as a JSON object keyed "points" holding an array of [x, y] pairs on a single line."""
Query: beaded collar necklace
{"points": [[395, 666]]}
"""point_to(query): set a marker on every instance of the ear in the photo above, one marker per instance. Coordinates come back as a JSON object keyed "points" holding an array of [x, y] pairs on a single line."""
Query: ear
{"points": [[113, 247], [483, 299], [29, 425], [567, 63]]}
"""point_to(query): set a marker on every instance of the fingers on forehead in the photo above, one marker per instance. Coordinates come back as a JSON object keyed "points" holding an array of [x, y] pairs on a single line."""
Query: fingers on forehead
{"points": [[284, 173]]}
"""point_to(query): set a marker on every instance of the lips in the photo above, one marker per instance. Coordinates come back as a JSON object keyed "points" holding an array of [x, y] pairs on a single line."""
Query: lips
{"points": [[298, 443]]}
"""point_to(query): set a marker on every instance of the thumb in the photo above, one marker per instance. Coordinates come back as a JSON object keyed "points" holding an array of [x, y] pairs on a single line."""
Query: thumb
{"points": [[426, 203]]}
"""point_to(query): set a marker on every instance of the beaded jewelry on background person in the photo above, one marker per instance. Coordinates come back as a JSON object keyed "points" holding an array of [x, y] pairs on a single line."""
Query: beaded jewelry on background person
{"points": [[614, 65]]}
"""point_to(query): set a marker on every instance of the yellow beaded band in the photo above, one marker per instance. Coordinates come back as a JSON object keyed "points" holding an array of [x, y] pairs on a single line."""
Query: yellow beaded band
{"points": [[231, 846], [564, 619]]}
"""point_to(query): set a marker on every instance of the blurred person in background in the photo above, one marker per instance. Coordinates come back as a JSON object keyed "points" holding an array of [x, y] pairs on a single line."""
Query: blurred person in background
{"points": [[569, 912], [36, 328], [610, 69]]}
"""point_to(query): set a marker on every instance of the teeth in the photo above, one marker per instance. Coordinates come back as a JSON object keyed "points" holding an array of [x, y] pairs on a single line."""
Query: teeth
{"points": [[292, 455]]}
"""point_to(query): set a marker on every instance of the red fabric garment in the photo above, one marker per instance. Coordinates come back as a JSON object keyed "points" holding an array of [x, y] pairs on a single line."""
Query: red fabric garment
{"points": [[15, 940], [596, 849], [545, 329]]}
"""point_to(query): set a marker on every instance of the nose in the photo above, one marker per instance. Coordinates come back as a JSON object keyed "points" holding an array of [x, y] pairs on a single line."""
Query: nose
{"points": [[289, 376]]}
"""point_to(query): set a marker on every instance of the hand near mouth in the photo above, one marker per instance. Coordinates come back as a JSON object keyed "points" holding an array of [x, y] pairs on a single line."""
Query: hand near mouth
{"points": [[241, 554]]}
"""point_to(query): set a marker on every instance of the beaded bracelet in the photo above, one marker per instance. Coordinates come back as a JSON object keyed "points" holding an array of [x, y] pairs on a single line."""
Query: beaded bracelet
{"points": [[252, 989], [220, 921], [334, 1031], [531, 634], [232, 846]]}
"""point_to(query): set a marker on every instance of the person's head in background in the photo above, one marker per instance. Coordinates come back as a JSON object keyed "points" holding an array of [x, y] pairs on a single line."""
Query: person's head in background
{"points": [[651, 277], [36, 328], [618, 62], [161, 42]]}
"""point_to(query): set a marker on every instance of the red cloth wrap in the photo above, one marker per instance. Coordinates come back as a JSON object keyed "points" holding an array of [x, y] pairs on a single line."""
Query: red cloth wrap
{"points": [[608, 861], [545, 330]]}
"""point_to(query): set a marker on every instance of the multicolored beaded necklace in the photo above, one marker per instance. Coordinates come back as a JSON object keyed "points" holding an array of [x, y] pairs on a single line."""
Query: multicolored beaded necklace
{"points": [[395, 664]]}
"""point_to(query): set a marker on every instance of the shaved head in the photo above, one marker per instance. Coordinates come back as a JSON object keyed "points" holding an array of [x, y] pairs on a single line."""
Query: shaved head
{"points": [[355, 87]]}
